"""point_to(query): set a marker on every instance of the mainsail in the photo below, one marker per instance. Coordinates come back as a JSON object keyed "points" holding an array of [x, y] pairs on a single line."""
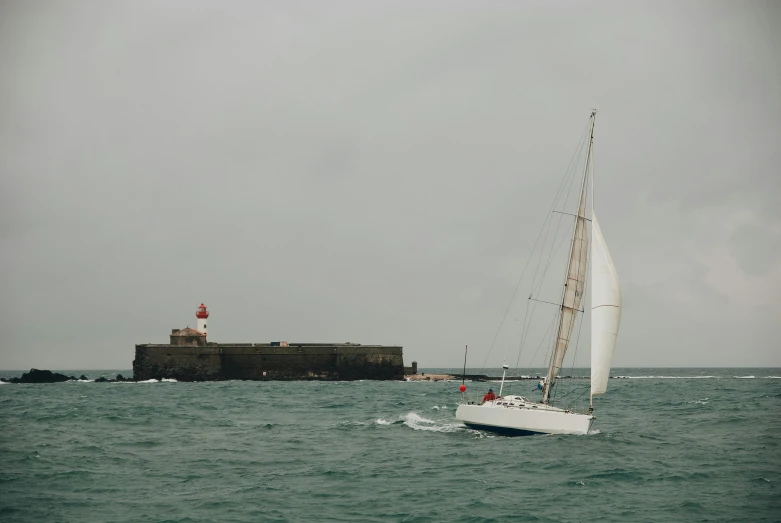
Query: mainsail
{"points": [[605, 309], [573, 285], [573, 294]]}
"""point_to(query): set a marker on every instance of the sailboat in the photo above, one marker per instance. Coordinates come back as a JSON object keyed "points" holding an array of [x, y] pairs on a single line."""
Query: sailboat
{"points": [[517, 415]]}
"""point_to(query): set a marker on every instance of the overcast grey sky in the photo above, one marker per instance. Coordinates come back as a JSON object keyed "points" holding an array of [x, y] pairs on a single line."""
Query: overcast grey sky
{"points": [[377, 172]]}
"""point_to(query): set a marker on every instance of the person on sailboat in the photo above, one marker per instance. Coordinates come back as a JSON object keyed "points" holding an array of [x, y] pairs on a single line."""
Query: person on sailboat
{"points": [[489, 396]]}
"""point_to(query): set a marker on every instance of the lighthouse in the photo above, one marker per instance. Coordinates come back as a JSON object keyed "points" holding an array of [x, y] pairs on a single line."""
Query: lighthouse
{"points": [[201, 313]]}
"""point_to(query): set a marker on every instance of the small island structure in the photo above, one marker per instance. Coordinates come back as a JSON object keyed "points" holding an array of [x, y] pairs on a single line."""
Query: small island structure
{"points": [[190, 357]]}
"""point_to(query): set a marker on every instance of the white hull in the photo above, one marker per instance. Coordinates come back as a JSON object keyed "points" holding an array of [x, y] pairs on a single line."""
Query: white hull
{"points": [[516, 415]]}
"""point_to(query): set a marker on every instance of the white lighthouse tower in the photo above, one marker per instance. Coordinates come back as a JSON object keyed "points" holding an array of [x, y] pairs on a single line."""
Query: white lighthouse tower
{"points": [[201, 313]]}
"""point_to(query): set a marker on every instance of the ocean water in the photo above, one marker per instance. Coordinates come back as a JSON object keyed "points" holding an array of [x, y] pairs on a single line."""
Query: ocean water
{"points": [[668, 445]]}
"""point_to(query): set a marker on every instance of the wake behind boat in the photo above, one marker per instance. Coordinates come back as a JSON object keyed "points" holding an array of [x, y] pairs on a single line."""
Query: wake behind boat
{"points": [[516, 415]]}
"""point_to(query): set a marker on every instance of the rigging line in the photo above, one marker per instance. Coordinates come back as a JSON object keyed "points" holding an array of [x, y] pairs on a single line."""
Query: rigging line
{"points": [[549, 263], [524, 333], [570, 393], [542, 278], [545, 226], [558, 225], [534, 307], [570, 175], [546, 229], [512, 299], [548, 332], [559, 190], [568, 181], [570, 214], [538, 282], [548, 302], [556, 316], [585, 390]]}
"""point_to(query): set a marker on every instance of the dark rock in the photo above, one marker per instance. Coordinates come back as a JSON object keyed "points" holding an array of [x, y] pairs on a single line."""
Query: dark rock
{"points": [[42, 376], [47, 376]]}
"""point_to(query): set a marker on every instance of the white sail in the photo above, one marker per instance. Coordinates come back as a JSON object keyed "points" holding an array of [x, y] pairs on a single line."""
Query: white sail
{"points": [[605, 309]]}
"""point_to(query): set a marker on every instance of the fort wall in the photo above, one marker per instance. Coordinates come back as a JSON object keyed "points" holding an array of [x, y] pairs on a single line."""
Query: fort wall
{"points": [[264, 361]]}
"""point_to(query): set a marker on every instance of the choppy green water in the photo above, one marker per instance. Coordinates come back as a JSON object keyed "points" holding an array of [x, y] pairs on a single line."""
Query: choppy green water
{"points": [[678, 446]]}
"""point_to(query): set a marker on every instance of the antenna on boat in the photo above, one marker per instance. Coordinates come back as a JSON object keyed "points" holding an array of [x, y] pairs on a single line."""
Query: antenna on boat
{"points": [[462, 388], [504, 372]]}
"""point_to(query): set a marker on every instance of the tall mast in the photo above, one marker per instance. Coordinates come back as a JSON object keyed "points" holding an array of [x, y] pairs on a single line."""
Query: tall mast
{"points": [[574, 280], [593, 117]]}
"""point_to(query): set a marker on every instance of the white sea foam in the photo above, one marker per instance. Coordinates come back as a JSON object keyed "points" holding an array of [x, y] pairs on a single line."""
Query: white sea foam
{"points": [[170, 380], [413, 418], [744, 377], [774, 377], [149, 381], [667, 377], [415, 421], [381, 421]]}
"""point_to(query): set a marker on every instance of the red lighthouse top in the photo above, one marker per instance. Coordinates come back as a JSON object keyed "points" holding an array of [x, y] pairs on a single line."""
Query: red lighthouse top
{"points": [[201, 311]]}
